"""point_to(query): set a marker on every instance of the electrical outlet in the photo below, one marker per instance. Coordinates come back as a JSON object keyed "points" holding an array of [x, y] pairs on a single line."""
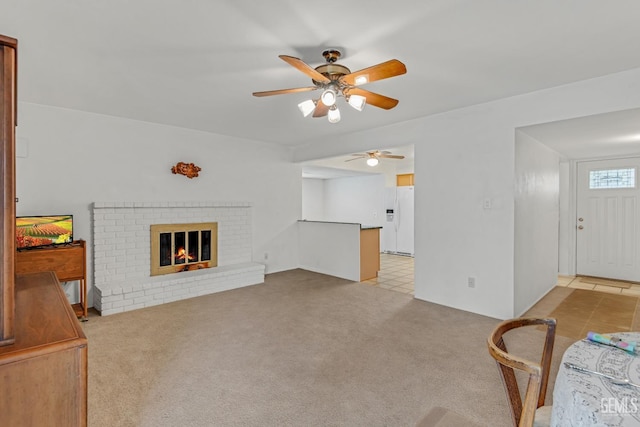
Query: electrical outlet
{"points": [[471, 282], [266, 256]]}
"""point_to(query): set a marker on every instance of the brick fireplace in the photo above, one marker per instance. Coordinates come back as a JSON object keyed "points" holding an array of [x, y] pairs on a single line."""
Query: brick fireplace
{"points": [[122, 252]]}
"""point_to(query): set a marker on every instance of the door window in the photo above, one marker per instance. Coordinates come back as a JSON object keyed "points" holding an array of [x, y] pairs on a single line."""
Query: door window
{"points": [[612, 178]]}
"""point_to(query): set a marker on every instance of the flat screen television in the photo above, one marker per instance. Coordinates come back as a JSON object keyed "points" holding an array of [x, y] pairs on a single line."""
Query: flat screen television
{"points": [[37, 231]]}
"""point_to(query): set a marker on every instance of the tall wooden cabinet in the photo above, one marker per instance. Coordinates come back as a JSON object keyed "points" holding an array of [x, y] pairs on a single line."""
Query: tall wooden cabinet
{"points": [[43, 374], [43, 350], [8, 96]]}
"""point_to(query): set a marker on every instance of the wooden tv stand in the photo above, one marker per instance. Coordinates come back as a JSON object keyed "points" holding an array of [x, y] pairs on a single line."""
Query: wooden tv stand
{"points": [[68, 262]]}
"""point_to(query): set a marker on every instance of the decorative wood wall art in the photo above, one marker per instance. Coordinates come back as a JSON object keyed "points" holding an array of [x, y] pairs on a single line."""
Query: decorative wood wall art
{"points": [[187, 169]]}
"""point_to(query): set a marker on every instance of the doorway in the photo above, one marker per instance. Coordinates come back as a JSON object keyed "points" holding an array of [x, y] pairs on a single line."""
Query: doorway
{"points": [[607, 219]]}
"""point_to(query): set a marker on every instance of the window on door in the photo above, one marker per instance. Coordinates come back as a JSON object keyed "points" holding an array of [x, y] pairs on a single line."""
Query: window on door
{"points": [[612, 178]]}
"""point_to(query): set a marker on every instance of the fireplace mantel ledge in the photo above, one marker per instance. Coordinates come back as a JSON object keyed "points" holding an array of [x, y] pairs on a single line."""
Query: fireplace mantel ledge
{"points": [[201, 204]]}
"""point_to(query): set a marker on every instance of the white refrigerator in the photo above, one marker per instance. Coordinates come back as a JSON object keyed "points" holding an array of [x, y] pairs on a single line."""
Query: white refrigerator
{"points": [[397, 230]]}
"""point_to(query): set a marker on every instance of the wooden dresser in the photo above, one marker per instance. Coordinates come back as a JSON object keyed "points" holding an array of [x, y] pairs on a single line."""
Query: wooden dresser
{"points": [[43, 375]]}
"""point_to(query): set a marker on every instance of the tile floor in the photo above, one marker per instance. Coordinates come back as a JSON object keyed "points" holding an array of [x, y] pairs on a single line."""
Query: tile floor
{"points": [[608, 309], [575, 283], [578, 310], [396, 273]]}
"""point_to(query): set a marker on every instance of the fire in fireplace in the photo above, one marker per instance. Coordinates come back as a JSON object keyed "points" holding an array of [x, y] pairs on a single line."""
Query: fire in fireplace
{"points": [[183, 247]]}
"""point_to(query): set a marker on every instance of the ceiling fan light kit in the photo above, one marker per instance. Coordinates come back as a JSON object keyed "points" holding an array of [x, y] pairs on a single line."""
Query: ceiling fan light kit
{"points": [[333, 115], [336, 80], [307, 107], [357, 101], [329, 97], [373, 157]]}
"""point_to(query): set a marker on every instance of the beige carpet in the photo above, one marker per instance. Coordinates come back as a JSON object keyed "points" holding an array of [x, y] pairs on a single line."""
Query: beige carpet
{"points": [[303, 349], [441, 417]]}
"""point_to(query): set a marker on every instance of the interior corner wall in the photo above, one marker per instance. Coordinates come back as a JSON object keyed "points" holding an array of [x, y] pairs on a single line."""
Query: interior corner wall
{"points": [[358, 199], [313, 199], [537, 215], [68, 159], [566, 239]]}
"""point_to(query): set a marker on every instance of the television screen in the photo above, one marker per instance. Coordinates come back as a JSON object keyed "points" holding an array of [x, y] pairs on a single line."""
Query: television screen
{"points": [[34, 231]]}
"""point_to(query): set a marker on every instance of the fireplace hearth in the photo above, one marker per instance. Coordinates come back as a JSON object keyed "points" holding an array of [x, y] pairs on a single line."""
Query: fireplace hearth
{"points": [[183, 247]]}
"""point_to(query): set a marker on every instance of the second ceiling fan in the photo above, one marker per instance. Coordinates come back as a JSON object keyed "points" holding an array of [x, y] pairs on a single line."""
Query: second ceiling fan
{"points": [[336, 80], [373, 157]]}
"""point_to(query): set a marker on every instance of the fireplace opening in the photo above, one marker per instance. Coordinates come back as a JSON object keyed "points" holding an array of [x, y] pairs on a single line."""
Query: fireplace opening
{"points": [[183, 247]]}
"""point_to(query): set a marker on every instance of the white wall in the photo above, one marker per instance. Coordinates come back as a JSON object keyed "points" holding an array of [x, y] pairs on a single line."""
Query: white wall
{"points": [[355, 199], [566, 237], [358, 199], [75, 158], [463, 157], [313, 199], [330, 248], [537, 215]]}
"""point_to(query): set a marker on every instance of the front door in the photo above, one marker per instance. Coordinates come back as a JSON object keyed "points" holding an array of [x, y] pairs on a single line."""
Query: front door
{"points": [[607, 221]]}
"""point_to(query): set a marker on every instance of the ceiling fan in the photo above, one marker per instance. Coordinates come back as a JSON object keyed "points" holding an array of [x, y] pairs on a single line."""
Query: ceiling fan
{"points": [[373, 157], [337, 80]]}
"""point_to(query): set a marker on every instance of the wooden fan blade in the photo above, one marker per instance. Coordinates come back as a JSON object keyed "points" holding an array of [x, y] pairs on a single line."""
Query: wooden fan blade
{"points": [[390, 156], [283, 91], [307, 69], [381, 71], [321, 109], [373, 98], [355, 158]]}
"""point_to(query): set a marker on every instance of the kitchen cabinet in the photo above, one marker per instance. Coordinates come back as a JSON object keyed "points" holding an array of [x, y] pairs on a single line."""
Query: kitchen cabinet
{"points": [[369, 252]]}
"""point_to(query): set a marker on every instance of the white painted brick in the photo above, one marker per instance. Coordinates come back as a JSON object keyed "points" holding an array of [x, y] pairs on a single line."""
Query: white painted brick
{"points": [[136, 294], [143, 299], [112, 298], [154, 302], [112, 311], [179, 292], [122, 303], [154, 291]]}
